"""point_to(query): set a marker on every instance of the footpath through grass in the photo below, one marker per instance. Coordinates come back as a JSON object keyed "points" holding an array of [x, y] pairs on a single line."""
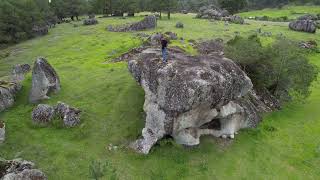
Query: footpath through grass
{"points": [[285, 146]]}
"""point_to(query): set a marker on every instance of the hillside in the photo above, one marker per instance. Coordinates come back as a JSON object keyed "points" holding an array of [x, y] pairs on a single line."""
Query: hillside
{"points": [[285, 146]]}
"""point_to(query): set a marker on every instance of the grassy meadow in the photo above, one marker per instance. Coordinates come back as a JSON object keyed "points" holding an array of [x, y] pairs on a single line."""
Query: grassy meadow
{"points": [[291, 12], [285, 146]]}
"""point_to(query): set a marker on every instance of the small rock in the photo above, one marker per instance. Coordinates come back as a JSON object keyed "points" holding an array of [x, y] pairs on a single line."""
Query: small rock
{"points": [[70, 115], [179, 25], [42, 114], [91, 21], [19, 71], [2, 131]]}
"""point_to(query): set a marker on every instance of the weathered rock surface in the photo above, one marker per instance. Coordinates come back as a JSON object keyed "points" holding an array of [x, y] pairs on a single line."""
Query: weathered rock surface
{"points": [[303, 25], [44, 80], [19, 169], [2, 132], [214, 46], [19, 71], [90, 21], [149, 22], [8, 91], [179, 25], [42, 114], [70, 115], [193, 96]]}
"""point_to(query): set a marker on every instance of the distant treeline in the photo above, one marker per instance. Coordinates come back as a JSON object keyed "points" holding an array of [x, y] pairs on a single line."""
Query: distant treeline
{"points": [[18, 18]]}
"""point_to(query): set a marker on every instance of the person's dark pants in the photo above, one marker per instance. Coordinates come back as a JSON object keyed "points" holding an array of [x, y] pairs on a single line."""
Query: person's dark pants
{"points": [[164, 55]]}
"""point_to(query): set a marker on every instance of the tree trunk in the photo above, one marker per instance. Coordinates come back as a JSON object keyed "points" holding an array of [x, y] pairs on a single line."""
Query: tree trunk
{"points": [[169, 14], [131, 14], [160, 15]]}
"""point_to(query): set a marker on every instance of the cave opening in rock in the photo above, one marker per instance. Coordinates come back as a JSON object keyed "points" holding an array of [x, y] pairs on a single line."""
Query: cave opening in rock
{"points": [[215, 124]]}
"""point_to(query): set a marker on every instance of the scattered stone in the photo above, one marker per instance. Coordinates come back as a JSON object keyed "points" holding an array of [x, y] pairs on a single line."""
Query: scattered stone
{"points": [[193, 96], [90, 21], [42, 114], [215, 46], [308, 45], [19, 71], [70, 115], [179, 25], [171, 35], [8, 91], [308, 17], [303, 25], [44, 80], [2, 132], [19, 169], [149, 22], [40, 30], [235, 19]]}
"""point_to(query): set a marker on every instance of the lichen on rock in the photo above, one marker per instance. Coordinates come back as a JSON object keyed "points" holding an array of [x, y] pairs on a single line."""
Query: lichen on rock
{"points": [[193, 96]]}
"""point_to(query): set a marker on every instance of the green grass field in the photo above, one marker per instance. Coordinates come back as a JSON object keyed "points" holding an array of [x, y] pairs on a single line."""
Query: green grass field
{"points": [[285, 146], [291, 12]]}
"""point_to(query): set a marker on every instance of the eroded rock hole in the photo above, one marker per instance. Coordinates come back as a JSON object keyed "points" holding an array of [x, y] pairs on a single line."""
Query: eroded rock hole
{"points": [[215, 124]]}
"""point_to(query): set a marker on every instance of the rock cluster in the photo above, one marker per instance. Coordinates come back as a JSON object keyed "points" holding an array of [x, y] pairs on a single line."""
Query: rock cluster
{"points": [[149, 22], [44, 80], [303, 25], [10, 87], [213, 12], [19, 169], [193, 96], [44, 114], [308, 45], [90, 21]]}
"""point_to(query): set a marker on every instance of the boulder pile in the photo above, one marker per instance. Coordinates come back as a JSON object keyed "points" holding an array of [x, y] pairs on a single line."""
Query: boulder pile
{"points": [[19, 169], [44, 114], [44, 80], [149, 22], [193, 96], [215, 13]]}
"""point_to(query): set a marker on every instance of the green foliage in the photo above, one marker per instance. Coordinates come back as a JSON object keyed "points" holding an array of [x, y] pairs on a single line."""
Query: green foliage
{"points": [[233, 6], [281, 67], [98, 170]]}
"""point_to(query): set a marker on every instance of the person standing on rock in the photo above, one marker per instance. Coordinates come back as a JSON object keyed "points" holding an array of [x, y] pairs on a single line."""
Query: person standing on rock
{"points": [[164, 45]]}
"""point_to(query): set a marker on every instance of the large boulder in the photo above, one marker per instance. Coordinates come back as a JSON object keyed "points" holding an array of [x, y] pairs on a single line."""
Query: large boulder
{"points": [[44, 80], [303, 25], [19, 169], [149, 22], [193, 96]]}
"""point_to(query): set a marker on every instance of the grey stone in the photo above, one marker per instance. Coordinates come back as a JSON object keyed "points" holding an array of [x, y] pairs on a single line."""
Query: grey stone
{"points": [[43, 114], [44, 80], [2, 132], [8, 91], [19, 169], [179, 25], [303, 25], [149, 22], [90, 21], [19, 71], [70, 115], [193, 96]]}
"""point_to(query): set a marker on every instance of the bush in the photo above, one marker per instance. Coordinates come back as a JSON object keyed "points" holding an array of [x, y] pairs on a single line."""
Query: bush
{"points": [[282, 67]]}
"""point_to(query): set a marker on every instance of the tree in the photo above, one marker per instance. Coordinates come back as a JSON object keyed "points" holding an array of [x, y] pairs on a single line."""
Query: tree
{"points": [[233, 6]]}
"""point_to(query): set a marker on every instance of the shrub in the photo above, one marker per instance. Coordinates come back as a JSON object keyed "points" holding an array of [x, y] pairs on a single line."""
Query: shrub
{"points": [[282, 67]]}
